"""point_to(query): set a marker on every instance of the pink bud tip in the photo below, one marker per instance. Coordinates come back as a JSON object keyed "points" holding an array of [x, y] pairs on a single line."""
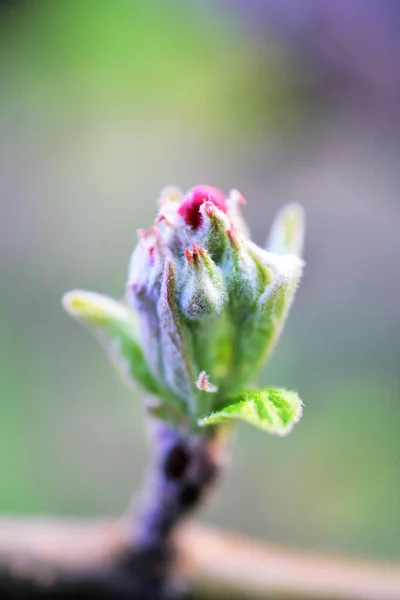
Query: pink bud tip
{"points": [[209, 208], [197, 251], [232, 238], [161, 218], [190, 207], [188, 255], [152, 251]]}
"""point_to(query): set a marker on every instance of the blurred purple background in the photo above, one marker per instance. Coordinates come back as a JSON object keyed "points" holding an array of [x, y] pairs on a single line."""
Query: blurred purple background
{"points": [[102, 104]]}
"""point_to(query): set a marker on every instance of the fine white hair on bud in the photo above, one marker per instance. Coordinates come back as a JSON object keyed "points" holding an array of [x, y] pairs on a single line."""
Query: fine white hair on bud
{"points": [[176, 362], [235, 201], [212, 233], [210, 300], [203, 292], [277, 298], [201, 298]]}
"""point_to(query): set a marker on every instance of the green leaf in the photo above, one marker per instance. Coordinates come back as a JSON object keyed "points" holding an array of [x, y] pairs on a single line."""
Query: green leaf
{"points": [[272, 409], [115, 327], [287, 232]]}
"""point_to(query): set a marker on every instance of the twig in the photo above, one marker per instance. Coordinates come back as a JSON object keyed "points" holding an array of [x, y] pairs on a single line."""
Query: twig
{"points": [[65, 558]]}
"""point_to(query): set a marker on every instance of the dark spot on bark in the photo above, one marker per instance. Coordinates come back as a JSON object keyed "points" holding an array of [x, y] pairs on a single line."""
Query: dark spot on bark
{"points": [[189, 495], [176, 462]]}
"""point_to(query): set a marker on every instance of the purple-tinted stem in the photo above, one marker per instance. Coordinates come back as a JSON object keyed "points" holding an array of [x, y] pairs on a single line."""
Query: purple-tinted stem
{"points": [[186, 466]]}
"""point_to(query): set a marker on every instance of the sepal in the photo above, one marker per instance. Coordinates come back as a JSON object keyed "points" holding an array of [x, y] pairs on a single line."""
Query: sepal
{"points": [[277, 297], [203, 293], [213, 232], [176, 361]]}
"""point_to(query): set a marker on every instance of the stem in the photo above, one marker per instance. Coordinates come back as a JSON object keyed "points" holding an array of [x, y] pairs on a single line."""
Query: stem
{"points": [[186, 466]]}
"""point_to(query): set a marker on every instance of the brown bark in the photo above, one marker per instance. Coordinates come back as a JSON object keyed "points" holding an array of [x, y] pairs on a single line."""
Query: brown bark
{"points": [[68, 558]]}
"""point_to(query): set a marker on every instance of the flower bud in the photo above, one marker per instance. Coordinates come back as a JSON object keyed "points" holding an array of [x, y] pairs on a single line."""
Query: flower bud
{"points": [[244, 277], [209, 300], [203, 293], [206, 299], [177, 367], [143, 292], [259, 333], [191, 205], [213, 232]]}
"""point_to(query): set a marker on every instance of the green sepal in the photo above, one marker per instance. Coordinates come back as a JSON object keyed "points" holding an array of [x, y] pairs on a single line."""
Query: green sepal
{"points": [[274, 410], [167, 412], [287, 231], [115, 327]]}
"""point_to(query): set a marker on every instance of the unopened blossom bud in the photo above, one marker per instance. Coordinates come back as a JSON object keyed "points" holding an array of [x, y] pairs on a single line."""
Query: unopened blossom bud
{"points": [[177, 368], [204, 294], [209, 306], [242, 272], [212, 233], [190, 207], [146, 272]]}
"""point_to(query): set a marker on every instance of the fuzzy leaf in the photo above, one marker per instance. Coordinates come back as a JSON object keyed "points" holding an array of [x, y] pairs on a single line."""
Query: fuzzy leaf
{"points": [[272, 409], [115, 327], [287, 231]]}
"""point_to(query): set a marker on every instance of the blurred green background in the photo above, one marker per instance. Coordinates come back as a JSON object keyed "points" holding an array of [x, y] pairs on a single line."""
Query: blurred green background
{"points": [[103, 103]]}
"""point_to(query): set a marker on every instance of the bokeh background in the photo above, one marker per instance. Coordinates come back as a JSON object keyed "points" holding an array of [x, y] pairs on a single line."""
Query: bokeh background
{"points": [[103, 103]]}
